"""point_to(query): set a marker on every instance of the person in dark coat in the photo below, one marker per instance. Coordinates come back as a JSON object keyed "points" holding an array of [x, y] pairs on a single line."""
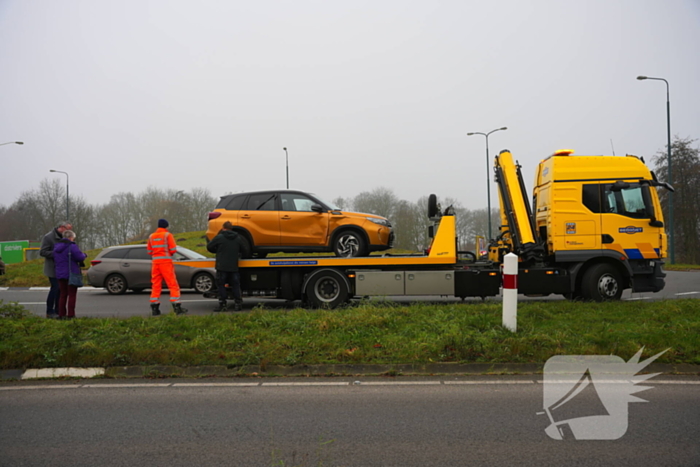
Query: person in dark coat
{"points": [[228, 246], [46, 251], [64, 267]]}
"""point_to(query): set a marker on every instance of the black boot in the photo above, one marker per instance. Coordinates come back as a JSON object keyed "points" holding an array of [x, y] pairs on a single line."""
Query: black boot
{"points": [[237, 306], [221, 306], [155, 309], [177, 307]]}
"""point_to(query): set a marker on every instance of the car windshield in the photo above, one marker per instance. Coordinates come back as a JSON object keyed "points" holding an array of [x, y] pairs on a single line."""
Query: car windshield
{"points": [[330, 205], [189, 253]]}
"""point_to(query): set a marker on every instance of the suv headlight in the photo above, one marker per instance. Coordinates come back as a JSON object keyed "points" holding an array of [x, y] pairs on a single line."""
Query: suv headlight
{"points": [[379, 221]]}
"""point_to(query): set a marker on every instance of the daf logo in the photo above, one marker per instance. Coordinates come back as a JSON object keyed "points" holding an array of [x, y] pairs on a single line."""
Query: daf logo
{"points": [[630, 230]]}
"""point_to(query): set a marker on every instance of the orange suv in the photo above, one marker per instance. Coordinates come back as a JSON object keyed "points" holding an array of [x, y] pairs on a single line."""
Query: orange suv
{"points": [[293, 221]]}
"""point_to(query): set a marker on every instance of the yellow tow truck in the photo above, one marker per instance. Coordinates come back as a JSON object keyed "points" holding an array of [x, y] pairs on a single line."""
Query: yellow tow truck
{"points": [[594, 229]]}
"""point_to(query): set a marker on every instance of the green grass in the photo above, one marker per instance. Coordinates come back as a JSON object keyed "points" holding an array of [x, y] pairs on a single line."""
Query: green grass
{"points": [[361, 334]]}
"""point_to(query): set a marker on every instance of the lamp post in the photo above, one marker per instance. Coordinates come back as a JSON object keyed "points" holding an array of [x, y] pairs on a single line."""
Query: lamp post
{"points": [[671, 241], [287, 160], [488, 185], [67, 195], [12, 142]]}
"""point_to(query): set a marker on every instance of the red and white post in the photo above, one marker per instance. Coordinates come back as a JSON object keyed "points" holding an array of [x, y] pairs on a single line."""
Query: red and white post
{"points": [[510, 292]]}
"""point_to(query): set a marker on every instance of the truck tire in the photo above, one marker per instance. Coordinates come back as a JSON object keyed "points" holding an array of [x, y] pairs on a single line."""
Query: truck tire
{"points": [[601, 282], [327, 288], [432, 206]]}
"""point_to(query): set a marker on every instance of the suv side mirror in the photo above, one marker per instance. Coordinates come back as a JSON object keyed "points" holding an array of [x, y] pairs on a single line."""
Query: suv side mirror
{"points": [[316, 208]]}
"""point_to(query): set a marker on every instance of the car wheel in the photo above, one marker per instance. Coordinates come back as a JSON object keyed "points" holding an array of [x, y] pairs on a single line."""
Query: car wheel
{"points": [[602, 282], [327, 288], [203, 282], [115, 284], [349, 244]]}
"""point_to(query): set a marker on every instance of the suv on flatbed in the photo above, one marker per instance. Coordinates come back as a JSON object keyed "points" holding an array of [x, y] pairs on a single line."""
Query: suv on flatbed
{"points": [[293, 221]]}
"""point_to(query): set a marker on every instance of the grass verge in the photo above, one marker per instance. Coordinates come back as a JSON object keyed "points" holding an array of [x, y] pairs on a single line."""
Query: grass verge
{"points": [[366, 333]]}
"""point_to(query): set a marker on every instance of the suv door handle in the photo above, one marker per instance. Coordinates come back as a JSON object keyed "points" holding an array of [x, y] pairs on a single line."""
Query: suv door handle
{"points": [[245, 216], [285, 218]]}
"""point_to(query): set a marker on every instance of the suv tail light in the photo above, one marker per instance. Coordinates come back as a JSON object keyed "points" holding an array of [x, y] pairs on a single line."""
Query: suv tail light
{"points": [[213, 215], [95, 262]]}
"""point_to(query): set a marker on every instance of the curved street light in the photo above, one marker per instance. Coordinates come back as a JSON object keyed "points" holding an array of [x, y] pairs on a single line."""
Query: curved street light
{"points": [[671, 240], [488, 186], [12, 142], [67, 197]]}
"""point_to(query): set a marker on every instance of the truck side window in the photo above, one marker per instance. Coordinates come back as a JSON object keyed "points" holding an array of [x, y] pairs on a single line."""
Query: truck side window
{"points": [[591, 197], [629, 202]]}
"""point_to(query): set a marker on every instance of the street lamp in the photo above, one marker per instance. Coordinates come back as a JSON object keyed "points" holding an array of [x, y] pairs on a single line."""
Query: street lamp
{"points": [[67, 196], [12, 142], [488, 185], [671, 241], [287, 159]]}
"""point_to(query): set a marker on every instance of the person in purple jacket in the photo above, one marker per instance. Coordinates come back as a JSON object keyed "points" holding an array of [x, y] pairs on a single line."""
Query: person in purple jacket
{"points": [[64, 266]]}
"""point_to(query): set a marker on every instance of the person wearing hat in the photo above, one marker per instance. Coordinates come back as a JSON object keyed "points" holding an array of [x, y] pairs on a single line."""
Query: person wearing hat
{"points": [[161, 246]]}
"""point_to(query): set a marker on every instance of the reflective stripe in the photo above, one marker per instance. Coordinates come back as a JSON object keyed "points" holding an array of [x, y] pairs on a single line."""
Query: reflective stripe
{"points": [[154, 300], [158, 242]]}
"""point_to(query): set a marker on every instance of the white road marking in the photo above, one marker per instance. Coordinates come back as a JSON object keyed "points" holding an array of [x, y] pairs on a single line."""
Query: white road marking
{"points": [[518, 381], [308, 383], [637, 298], [204, 385], [687, 293], [302, 384], [34, 373]]}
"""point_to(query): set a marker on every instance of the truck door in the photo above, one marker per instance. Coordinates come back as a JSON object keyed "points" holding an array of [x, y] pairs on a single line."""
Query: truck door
{"points": [[627, 212]]}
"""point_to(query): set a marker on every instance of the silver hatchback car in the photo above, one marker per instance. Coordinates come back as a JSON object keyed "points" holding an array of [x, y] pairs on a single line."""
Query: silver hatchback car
{"points": [[119, 268]]}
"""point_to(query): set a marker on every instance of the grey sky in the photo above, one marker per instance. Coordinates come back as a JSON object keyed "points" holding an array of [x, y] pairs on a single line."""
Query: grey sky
{"points": [[123, 95]]}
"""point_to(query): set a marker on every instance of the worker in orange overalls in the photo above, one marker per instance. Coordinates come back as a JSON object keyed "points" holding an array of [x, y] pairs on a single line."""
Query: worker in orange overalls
{"points": [[161, 246]]}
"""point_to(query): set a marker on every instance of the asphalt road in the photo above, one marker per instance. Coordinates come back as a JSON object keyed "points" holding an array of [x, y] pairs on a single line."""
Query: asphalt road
{"points": [[330, 422], [98, 303]]}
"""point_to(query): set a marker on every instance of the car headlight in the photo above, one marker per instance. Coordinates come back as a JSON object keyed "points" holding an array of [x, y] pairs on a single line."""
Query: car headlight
{"points": [[379, 221]]}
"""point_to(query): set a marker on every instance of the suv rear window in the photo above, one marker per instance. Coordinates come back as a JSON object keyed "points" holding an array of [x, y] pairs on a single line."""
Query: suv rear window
{"points": [[262, 202]]}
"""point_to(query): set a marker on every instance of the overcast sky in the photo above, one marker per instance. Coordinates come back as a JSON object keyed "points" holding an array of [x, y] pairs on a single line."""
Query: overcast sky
{"points": [[129, 94]]}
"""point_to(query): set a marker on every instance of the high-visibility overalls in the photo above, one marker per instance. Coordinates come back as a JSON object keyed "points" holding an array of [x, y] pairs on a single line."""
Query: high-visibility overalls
{"points": [[161, 246]]}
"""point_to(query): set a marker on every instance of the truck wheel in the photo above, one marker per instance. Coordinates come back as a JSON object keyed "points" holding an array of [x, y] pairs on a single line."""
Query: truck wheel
{"points": [[432, 206], [327, 289], [349, 244], [602, 282], [115, 284]]}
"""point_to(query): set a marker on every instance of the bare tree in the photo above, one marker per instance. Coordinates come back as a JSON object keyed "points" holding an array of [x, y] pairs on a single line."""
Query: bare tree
{"points": [[685, 162]]}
